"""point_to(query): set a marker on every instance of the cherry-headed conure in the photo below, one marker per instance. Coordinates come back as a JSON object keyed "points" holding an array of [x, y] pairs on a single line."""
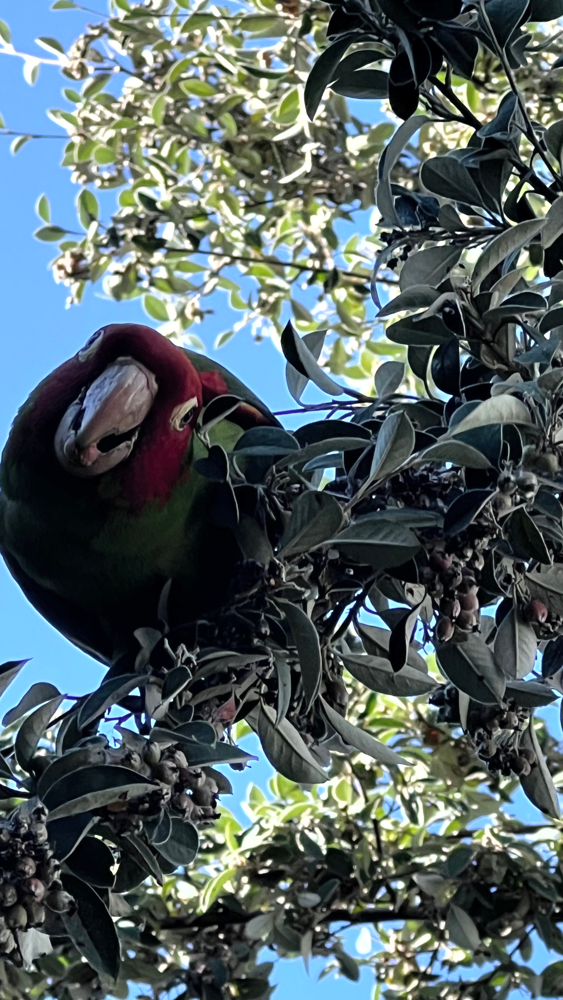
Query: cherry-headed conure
{"points": [[100, 503]]}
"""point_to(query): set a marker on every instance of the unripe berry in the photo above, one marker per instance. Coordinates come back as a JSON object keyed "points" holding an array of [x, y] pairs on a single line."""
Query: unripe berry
{"points": [[16, 917], [466, 621], [440, 561]]}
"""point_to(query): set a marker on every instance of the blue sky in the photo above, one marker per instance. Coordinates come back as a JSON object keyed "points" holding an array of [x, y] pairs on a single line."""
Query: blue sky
{"points": [[38, 333]]}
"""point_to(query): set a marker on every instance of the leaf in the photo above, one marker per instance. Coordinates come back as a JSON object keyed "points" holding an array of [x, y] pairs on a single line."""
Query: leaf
{"points": [[552, 980], [377, 543], [143, 855], [449, 178], [69, 762], [547, 586], [155, 308], [502, 246], [395, 443], [464, 509], [283, 671], [182, 845], [428, 267], [51, 45], [377, 674], [348, 966], [457, 452], [296, 382], [384, 195], [471, 667], [376, 642], [389, 377], [530, 694], [526, 540], [109, 693], [42, 208], [37, 694], [9, 671], [462, 929], [416, 297], [363, 84], [503, 409], [5, 33], [91, 928], [315, 517], [284, 747], [92, 860], [65, 834], [401, 636], [515, 646], [360, 740], [306, 640], [553, 224], [538, 785], [300, 357], [93, 787], [50, 234], [324, 70], [31, 731], [214, 887]]}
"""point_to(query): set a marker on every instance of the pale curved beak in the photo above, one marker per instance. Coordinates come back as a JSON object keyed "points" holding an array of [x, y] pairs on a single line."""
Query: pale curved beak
{"points": [[99, 429]]}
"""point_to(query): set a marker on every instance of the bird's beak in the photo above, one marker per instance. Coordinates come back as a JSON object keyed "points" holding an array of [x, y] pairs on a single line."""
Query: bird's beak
{"points": [[99, 429]]}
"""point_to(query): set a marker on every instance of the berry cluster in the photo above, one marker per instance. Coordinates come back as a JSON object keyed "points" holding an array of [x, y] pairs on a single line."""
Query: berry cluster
{"points": [[190, 793], [29, 879]]}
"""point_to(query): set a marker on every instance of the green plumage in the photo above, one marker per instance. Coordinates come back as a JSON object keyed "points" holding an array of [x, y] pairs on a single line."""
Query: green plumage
{"points": [[92, 559]]}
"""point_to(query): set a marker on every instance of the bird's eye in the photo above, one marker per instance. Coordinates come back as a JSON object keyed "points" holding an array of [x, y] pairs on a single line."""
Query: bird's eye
{"points": [[91, 345], [183, 413]]}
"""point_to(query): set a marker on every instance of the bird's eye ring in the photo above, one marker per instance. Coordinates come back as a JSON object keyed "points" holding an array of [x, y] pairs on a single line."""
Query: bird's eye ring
{"points": [[91, 345], [183, 413]]}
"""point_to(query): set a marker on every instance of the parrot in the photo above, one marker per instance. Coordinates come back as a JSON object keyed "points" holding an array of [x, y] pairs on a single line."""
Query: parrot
{"points": [[101, 500]]}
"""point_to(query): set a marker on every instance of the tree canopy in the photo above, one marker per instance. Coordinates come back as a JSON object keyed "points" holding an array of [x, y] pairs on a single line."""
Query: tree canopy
{"points": [[403, 623]]}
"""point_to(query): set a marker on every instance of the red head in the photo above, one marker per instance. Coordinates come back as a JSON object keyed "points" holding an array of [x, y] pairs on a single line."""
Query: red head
{"points": [[128, 394]]}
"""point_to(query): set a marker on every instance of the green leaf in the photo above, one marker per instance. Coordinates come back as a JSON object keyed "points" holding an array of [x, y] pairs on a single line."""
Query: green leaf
{"points": [[502, 246], [182, 845], [65, 834], [283, 671], [428, 267], [360, 740], [462, 929], [300, 357], [51, 45], [64, 5], [214, 887], [69, 763], [94, 787], [394, 445], [37, 694], [50, 234], [155, 308], [9, 671], [284, 747], [553, 224], [504, 409], [315, 517], [348, 966], [32, 730], [377, 674], [376, 543], [449, 178], [388, 378], [457, 452], [109, 693], [471, 666], [92, 860], [538, 785], [5, 33], [91, 928], [547, 585], [366, 84], [324, 71], [525, 538], [384, 196], [88, 208], [377, 640], [306, 640], [516, 646], [552, 980], [43, 209]]}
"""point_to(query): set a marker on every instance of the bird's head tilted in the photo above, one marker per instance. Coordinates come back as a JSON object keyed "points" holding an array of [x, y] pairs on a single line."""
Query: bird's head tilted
{"points": [[132, 383]]}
